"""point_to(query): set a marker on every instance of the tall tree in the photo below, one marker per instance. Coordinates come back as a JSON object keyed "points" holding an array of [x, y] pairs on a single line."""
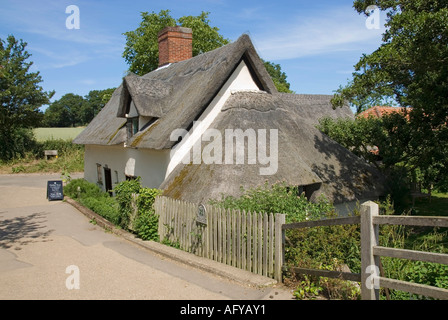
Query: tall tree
{"points": [[66, 112], [20, 95], [410, 68], [278, 76], [95, 101]]}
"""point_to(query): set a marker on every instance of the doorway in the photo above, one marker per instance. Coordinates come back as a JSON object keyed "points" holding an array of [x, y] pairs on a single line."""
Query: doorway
{"points": [[108, 180]]}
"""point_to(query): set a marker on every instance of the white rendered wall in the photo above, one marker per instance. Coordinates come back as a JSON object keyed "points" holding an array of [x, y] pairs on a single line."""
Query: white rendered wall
{"points": [[240, 80], [149, 164]]}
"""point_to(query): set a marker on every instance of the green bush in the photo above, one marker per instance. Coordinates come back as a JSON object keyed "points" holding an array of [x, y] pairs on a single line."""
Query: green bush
{"points": [[92, 197], [70, 156], [64, 147], [104, 206], [81, 188], [123, 194], [119, 210], [277, 198], [421, 272], [145, 222], [16, 144], [309, 247], [26, 150]]}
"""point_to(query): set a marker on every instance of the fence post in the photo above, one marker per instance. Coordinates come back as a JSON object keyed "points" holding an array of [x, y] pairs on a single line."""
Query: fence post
{"points": [[278, 254], [369, 262]]}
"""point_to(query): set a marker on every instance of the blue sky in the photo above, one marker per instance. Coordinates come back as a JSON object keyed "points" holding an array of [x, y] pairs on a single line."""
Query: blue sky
{"points": [[315, 42]]}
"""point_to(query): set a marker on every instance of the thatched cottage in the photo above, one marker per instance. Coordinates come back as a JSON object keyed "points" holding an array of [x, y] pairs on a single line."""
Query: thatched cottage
{"points": [[200, 126]]}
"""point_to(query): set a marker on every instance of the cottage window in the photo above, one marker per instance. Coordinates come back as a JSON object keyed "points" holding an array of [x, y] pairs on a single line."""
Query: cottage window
{"points": [[132, 126], [99, 174]]}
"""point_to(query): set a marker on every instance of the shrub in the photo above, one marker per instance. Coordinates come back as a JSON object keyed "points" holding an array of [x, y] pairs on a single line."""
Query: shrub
{"points": [[92, 197], [81, 188], [278, 198], [137, 216], [64, 147], [15, 144], [26, 151], [104, 206], [123, 194], [144, 222], [147, 222]]}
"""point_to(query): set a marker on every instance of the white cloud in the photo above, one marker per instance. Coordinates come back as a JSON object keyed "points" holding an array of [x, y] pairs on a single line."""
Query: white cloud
{"points": [[333, 31], [88, 82], [56, 59]]}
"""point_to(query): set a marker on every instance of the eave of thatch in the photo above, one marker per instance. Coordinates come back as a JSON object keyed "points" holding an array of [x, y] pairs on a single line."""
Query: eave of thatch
{"points": [[105, 128], [313, 107]]}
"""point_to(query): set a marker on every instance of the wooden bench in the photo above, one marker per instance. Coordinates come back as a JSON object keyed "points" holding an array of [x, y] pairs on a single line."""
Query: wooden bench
{"points": [[50, 153]]}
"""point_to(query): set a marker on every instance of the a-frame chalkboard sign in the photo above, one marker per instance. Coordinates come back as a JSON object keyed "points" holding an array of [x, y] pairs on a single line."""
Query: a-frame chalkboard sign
{"points": [[54, 190]]}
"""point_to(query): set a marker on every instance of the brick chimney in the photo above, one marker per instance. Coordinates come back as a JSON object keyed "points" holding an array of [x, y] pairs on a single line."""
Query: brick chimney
{"points": [[175, 44]]}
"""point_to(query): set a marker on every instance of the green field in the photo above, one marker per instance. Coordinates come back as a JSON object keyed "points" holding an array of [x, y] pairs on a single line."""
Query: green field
{"points": [[43, 134]]}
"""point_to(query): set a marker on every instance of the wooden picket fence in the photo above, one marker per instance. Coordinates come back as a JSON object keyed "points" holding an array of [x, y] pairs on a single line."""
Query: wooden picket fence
{"points": [[249, 241]]}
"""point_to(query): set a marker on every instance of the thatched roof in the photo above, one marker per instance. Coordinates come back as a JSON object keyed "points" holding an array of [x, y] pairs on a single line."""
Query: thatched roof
{"points": [[305, 157], [313, 107], [176, 94]]}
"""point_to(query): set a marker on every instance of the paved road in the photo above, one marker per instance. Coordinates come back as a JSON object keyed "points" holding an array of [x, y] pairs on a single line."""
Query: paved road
{"points": [[40, 239]]}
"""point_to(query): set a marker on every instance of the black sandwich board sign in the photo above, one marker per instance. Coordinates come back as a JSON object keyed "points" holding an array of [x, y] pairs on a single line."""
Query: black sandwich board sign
{"points": [[54, 190]]}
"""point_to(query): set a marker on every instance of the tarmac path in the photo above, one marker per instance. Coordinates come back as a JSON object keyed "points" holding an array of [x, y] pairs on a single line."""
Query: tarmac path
{"points": [[48, 247]]}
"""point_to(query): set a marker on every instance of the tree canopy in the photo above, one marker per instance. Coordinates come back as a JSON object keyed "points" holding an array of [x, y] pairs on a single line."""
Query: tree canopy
{"points": [[73, 110], [278, 76], [411, 65], [409, 69], [21, 95]]}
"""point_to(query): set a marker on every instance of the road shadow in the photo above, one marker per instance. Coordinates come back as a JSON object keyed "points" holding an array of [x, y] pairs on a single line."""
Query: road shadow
{"points": [[20, 231]]}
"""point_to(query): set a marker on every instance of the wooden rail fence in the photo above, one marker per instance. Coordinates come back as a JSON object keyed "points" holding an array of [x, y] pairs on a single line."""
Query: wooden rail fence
{"points": [[249, 241], [370, 278]]}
